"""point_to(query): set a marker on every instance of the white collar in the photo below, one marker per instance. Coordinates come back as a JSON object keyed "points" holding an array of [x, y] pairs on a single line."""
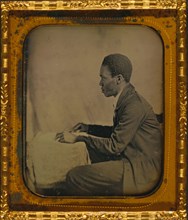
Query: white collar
{"points": [[116, 98]]}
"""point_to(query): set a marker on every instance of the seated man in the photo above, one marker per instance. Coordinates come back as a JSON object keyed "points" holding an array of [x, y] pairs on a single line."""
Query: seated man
{"points": [[127, 157]]}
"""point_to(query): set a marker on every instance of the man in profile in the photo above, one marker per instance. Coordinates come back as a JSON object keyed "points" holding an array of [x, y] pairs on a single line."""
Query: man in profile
{"points": [[126, 158]]}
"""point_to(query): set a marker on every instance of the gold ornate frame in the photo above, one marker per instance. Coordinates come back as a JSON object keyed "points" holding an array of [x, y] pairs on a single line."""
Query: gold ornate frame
{"points": [[166, 17]]}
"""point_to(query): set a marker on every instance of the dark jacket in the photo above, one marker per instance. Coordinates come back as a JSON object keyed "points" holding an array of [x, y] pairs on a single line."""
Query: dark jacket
{"points": [[136, 138]]}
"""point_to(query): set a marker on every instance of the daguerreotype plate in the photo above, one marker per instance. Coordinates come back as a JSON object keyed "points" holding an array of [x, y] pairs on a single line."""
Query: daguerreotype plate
{"points": [[93, 109]]}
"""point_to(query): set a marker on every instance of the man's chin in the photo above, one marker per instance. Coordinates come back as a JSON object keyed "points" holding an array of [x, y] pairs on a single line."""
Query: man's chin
{"points": [[106, 95]]}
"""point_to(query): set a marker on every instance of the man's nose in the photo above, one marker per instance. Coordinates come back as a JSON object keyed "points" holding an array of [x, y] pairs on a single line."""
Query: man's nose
{"points": [[100, 83]]}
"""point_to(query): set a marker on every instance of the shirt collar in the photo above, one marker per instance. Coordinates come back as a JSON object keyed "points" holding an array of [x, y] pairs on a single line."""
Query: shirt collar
{"points": [[116, 98], [127, 91]]}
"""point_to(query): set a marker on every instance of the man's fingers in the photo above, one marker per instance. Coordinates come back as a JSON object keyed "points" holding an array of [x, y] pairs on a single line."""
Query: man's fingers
{"points": [[58, 135], [76, 127], [61, 140]]}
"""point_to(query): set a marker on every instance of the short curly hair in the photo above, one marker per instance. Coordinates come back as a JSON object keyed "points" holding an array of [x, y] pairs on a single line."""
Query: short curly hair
{"points": [[118, 64]]}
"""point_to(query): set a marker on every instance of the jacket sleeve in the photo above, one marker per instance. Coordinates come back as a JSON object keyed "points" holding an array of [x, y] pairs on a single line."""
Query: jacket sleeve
{"points": [[122, 134], [100, 131]]}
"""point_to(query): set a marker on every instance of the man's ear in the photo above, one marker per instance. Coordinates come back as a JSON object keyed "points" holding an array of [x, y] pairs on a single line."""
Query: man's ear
{"points": [[119, 78]]}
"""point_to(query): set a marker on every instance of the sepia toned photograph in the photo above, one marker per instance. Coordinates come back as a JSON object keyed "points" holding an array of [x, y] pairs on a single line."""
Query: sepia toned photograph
{"points": [[94, 110]]}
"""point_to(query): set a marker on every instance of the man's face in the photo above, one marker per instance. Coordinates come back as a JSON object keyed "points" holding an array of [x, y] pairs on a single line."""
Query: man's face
{"points": [[108, 83]]}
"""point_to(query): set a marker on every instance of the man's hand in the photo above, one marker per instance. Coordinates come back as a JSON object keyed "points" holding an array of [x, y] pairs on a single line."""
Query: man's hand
{"points": [[80, 127], [66, 137]]}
